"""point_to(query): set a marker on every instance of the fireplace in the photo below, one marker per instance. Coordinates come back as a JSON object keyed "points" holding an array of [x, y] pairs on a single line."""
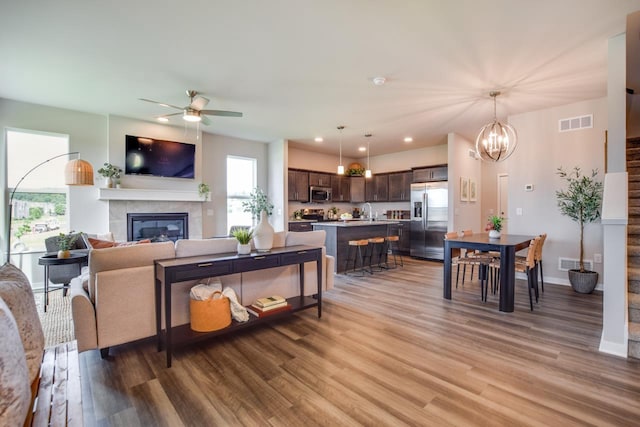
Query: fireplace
{"points": [[157, 227]]}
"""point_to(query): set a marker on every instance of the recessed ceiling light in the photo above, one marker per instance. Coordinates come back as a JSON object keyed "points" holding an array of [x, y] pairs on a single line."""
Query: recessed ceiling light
{"points": [[379, 81], [362, 148], [318, 139], [162, 119], [408, 139]]}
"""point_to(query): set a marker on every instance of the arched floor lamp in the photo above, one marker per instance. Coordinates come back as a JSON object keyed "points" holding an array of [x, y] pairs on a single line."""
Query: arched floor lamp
{"points": [[77, 172]]}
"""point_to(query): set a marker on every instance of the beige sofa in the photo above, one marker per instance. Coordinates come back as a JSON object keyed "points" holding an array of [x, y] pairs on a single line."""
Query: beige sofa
{"points": [[113, 303]]}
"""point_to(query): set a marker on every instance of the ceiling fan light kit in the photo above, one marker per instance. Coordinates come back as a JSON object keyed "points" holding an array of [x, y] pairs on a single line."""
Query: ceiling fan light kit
{"points": [[194, 111], [496, 141]]}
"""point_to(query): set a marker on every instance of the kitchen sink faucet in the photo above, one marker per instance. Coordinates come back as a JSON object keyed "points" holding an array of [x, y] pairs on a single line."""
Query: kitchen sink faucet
{"points": [[370, 216]]}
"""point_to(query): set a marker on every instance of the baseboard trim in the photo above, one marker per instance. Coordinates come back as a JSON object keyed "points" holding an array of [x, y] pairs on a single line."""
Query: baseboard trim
{"points": [[614, 348], [556, 281]]}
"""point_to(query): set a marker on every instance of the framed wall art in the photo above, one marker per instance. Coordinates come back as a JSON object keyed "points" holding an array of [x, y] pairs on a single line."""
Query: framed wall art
{"points": [[464, 189], [473, 192]]}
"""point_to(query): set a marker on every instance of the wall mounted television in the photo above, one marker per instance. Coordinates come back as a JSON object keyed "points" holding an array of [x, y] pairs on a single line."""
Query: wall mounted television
{"points": [[156, 157]]}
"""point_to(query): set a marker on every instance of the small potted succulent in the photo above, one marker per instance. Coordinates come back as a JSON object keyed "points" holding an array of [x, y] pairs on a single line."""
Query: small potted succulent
{"points": [[494, 226], [243, 236]]}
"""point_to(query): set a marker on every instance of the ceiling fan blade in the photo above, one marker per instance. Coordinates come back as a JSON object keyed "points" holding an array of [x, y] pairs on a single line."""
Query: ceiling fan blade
{"points": [[199, 102], [163, 104], [205, 120], [221, 113], [169, 115]]}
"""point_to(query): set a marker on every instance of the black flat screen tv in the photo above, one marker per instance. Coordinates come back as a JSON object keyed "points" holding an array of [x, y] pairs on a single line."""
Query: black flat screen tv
{"points": [[156, 157]]}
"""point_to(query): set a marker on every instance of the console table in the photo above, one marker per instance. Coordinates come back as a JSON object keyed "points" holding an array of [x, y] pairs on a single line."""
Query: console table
{"points": [[170, 271]]}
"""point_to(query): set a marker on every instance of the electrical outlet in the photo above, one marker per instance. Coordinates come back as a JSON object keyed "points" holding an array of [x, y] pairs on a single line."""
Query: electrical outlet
{"points": [[519, 211], [209, 212], [597, 258]]}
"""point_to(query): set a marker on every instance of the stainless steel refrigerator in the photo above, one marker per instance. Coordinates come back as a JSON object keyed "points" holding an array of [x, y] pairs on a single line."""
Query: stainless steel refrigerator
{"points": [[429, 216]]}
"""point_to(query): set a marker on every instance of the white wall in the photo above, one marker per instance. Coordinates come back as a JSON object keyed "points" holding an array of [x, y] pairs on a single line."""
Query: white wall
{"points": [[541, 150], [278, 194], [463, 215]]}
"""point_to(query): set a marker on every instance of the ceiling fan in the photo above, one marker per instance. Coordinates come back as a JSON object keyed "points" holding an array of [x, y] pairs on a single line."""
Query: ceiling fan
{"points": [[194, 111]]}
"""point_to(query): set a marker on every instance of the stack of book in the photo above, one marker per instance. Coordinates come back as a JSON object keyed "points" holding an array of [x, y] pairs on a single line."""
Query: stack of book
{"points": [[270, 305]]}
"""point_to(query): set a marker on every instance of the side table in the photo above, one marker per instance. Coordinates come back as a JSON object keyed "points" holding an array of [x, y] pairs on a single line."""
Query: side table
{"points": [[52, 259]]}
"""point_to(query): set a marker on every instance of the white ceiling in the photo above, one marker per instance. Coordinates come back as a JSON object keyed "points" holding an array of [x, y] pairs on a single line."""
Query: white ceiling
{"points": [[299, 68]]}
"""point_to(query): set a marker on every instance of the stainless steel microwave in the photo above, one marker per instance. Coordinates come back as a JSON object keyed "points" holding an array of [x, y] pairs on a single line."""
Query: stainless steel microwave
{"points": [[319, 194]]}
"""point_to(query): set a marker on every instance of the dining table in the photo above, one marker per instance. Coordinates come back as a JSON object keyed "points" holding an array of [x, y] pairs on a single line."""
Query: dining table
{"points": [[506, 244]]}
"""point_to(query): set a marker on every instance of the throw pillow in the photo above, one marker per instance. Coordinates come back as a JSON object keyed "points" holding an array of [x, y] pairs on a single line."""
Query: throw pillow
{"points": [[16, 292], [101, 244], [15, 395]]}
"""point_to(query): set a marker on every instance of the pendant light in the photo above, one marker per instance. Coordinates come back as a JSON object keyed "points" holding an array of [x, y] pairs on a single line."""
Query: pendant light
{"points": [[496, 141], [340, 166], [367, 172]]}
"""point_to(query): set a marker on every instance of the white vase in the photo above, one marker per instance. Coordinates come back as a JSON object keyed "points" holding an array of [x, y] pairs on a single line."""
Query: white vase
{"points": [[244, 249], [108, 182], [263, 234], [493, 234]]}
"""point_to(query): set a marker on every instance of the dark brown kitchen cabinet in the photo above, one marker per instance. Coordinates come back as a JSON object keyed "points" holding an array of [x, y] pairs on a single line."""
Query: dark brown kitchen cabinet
{"points": [[340, 188], [356, 189], [377, 188], [300, 226], [400, 186], [402, 230], [319, 179], [298, 185], [434, 173]]}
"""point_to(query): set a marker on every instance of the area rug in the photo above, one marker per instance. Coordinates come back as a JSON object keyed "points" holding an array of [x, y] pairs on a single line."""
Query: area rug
{"points": [[56, 322]]}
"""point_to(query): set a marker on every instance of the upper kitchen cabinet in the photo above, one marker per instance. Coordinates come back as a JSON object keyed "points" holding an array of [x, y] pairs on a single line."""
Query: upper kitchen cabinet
{"points": [[298, 185], [356, 190], [340, 188], [400, 186], [377, 188], [434, 173], [317, 179]]}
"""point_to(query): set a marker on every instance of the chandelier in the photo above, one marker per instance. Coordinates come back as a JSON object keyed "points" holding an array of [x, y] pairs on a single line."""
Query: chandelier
{"points": [[496, 141]]}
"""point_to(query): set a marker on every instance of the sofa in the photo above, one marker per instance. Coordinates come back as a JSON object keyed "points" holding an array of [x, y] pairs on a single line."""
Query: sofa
{"points": [[114, 301]]}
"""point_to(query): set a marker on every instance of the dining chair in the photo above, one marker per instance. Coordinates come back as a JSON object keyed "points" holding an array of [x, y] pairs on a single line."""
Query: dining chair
{"points": [[528, 266], [538, 258], [473, 258]]}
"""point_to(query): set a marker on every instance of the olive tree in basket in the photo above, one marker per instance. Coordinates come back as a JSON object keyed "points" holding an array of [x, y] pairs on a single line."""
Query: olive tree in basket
{"points": [[581, 201]]}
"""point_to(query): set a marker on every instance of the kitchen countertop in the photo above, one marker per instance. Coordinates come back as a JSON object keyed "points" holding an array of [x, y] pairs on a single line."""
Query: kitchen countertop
{"points": [[356, 223]]}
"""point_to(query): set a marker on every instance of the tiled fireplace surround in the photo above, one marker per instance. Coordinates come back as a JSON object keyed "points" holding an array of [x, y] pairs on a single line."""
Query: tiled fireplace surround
{"points": [[118, 210]]}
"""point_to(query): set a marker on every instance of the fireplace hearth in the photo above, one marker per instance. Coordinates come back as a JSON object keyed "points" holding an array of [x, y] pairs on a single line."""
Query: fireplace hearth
{"points": [[157, 227]]}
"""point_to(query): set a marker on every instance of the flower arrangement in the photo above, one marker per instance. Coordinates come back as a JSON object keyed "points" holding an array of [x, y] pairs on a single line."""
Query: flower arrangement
{"points": [[495, 223], [258, 202], [242, 235]]}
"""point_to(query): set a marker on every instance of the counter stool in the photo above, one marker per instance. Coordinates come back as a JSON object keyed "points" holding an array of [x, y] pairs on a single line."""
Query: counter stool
{"points": [[377, 252], [393, 245], [355, 254]]}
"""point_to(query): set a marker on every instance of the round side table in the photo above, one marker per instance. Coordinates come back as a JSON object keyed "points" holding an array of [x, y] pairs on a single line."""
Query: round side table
{"points": [[52, 259]]}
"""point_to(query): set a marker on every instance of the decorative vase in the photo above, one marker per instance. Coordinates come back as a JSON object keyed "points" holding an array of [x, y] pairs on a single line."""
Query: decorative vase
{"points": [[108, 182], [263, 234], [64, 254], [493, 234], [244, 249]]}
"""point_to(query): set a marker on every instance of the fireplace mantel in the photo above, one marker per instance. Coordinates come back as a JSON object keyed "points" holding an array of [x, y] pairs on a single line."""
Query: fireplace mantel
{"points": [[150, 195]]}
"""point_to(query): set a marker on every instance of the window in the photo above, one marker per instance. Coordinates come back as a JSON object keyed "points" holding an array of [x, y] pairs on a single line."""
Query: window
{"points": [[241, 179], [40, 202]]}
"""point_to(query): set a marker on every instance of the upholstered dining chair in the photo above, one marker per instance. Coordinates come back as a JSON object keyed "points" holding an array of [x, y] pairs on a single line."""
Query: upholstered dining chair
{"points": [[471, 258]]}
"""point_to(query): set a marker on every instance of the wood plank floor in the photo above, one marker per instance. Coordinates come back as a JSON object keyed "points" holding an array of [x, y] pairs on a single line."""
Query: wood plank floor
{"points": [[389, 350]]}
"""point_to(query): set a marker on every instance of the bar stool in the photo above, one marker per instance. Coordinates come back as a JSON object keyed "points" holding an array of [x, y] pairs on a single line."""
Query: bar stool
{"points": [[377, 250], [393, 244], [355, 253]]}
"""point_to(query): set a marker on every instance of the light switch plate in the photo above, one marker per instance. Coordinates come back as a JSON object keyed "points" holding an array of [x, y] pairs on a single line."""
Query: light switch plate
{"points": [[528, 187], [519, 211]]}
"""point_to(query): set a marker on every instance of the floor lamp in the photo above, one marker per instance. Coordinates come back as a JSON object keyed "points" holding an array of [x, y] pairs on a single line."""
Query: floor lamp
{"points": [[77, 172]]}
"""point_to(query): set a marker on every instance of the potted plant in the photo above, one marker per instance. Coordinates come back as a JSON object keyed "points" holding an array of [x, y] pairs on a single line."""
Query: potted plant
{"points": [[203, 190], [65, 243], [494, 226], [581, 201], [243, 236], [110, 172], [259, 206]]}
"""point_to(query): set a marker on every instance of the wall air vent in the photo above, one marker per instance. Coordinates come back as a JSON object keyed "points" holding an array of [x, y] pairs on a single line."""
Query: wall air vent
{"points": [[566, 264], [575, 123]]}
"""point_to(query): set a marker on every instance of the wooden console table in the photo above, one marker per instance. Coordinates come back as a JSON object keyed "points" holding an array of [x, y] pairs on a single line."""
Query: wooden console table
{"points": [[175, 270]]}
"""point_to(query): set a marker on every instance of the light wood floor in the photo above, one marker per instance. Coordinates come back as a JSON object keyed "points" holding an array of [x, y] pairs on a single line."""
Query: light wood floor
{"points": [[389, 350]]}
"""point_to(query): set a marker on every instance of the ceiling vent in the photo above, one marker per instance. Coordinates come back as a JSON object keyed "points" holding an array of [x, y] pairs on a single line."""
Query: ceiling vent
{"points": [[575, 123], [566, 264]]}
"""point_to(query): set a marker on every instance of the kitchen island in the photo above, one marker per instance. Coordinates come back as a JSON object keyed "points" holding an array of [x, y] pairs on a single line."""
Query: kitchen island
{"points": [[340, 232]]}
